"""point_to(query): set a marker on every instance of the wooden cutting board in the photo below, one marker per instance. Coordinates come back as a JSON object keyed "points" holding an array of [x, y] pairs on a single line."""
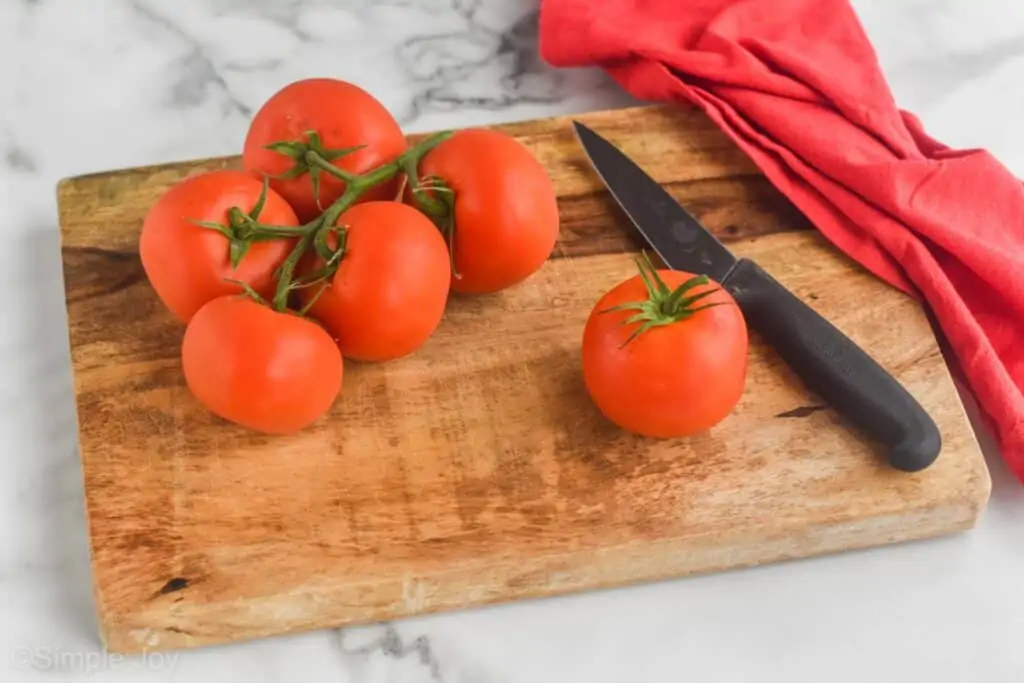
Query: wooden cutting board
{"points": [[476, 470]]}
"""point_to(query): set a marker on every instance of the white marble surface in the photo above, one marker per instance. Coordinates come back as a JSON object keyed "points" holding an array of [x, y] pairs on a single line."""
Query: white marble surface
{"points": [[89, 86]]}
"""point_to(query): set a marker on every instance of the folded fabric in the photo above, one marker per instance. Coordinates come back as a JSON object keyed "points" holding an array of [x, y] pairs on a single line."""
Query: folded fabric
{"points": [[797, 86]]}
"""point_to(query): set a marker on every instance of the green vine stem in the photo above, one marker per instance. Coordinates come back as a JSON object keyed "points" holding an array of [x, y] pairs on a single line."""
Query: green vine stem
{"points": [[436, 200], [662, 306], [242, 228], [425, 201], [314, 232]]}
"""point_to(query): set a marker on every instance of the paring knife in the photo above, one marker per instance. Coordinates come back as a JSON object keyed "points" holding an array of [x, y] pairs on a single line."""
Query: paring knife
{"points": [[828, 362]]}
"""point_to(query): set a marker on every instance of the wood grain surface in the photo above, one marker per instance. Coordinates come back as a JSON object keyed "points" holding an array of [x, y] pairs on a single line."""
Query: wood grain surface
{"points": [[476, 470]]}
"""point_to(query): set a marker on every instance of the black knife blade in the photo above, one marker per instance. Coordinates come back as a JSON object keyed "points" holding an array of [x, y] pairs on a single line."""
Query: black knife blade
{"points": [[828, 361]]}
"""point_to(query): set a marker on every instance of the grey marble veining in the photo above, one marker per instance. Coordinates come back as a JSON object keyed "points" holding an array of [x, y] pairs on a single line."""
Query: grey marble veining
{"points": [[386, 641], [91, 86]]}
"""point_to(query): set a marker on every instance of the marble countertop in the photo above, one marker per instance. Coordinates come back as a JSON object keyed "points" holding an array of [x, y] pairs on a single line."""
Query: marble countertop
{"points": [[90, 86]]}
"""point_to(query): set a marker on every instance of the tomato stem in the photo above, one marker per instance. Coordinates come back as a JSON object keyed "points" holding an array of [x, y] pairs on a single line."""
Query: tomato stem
{"points": [[315, 232], [312, 301], [317, 162], [249, 291], [662, 306], [305, 154], [425, 202], [437, 201]]}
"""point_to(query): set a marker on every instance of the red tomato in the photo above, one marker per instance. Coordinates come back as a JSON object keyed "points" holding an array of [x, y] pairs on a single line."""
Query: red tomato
{"points": [[271, 372], [669, 380], [506, 213], [189, 265], [390, 290], [343, 115]]}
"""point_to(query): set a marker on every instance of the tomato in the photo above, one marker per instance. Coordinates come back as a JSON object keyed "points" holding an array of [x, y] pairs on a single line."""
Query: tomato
{"points": [[343, 115], [271, 372], [189, 265], [506, 212], [390, 290], [669, 380]]}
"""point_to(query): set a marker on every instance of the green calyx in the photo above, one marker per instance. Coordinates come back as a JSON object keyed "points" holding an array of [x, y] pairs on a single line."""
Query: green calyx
{"points": [[242, 229], [663, 306], [313, 158]]}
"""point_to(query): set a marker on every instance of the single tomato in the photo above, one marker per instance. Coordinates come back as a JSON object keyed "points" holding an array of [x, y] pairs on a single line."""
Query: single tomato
{"points": [[343, 116], [661, 362], [389, 292], [188, 265], [271, 372], [506, 212]]}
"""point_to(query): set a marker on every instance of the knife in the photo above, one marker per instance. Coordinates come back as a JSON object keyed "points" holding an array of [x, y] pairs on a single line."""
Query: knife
{"points": [[828, 362]]}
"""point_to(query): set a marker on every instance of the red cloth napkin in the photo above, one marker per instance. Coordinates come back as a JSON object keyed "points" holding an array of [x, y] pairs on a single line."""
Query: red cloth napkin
{"points": [[796, 84]]}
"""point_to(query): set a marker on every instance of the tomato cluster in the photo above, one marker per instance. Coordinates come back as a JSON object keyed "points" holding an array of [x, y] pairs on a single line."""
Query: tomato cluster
{"points": [[335, 240]]}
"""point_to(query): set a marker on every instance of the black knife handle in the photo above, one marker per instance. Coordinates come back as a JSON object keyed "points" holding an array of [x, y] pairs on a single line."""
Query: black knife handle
{"points": [[835, 368]]}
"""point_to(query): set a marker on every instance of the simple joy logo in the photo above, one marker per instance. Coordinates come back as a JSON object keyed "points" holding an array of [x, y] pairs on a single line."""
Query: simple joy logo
{"points": [[45, 658]]}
